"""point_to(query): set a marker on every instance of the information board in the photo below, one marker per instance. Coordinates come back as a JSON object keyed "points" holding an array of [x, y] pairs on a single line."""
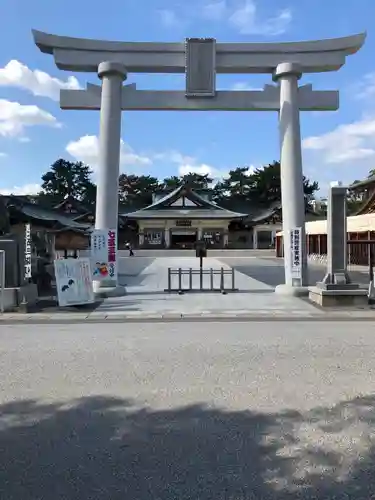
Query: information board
{"points": [[74, 281]]}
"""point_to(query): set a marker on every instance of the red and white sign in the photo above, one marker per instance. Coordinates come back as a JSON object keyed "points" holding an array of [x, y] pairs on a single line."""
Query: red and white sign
{"points": [[104, 254]]}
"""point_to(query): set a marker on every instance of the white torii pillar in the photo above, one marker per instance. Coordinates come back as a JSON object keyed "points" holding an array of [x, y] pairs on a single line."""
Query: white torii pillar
{"points": [[293, 201], [112, 75]]}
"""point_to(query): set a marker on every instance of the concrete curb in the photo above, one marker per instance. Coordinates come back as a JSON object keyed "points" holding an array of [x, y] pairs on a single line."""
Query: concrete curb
{"points": [[229, 316]]}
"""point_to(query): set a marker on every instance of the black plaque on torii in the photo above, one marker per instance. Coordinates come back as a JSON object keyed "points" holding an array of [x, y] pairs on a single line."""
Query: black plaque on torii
{"points": [[200, 67]]}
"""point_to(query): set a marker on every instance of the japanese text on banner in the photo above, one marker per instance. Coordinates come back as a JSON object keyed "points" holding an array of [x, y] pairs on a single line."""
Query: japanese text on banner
{"points": [[104, 254], [295, 248], [27, 269]]}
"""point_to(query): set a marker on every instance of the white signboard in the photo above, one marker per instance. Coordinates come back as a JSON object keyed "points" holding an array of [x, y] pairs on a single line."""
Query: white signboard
{"points": [[74, 282], [295, 249], [104, 254], [27, 252]]}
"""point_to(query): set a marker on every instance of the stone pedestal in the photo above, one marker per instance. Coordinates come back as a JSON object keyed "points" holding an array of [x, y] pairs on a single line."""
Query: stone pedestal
{"points": [[336, 288], [103, 292], [292, 291], [336, 297]]}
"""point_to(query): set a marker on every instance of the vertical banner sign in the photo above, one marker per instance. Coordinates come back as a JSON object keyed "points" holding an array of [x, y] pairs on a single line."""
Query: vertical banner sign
{"points": [[295, 248], [104, 254], [27, 273], [74, 282], [112, 251]]}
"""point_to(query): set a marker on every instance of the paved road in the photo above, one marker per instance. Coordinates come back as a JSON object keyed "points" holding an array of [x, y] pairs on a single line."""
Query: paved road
{"points": [[187, 411]]}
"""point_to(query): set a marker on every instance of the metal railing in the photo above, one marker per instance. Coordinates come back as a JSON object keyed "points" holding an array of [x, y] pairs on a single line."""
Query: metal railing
{"points": [[360, 260], [201, 286], [361, 254]]}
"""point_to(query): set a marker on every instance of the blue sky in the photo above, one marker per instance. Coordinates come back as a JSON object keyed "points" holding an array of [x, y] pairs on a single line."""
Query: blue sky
{"points": [[34, 132]]}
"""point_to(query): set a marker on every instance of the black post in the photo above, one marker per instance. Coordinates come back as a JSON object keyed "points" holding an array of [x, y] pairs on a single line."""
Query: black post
{"points": [[179, 279], [169, 280], [201, 272], [222, 279]]}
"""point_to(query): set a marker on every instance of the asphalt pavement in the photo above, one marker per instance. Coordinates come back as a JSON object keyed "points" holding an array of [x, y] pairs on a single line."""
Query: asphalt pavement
{"points": [[187, 411]]}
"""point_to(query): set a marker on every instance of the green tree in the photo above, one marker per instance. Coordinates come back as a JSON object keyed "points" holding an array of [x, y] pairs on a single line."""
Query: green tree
{"points": [[137, 190], [193, 179], [234, 188], [265, 185], [356, 198], [67, 178], [170, 183], [89, 195], [197, 181]]}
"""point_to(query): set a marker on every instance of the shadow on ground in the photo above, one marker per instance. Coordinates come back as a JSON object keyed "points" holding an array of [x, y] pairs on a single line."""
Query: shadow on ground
{"points": [[271, 272], [133, 266], [107, 448]]}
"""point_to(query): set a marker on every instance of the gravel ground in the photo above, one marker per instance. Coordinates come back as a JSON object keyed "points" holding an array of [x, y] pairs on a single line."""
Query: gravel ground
{"points": [[187, 411]]}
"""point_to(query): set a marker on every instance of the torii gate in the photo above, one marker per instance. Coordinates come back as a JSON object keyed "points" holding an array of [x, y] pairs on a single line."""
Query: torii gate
{"points": [[200, 59]]}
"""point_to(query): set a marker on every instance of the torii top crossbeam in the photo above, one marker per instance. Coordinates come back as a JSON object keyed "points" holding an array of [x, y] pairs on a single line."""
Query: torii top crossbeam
{"points": [[81, 54]]}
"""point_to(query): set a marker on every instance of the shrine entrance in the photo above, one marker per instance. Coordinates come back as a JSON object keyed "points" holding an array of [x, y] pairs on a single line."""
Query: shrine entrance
{"points": [[183, 238], [200, 59]]}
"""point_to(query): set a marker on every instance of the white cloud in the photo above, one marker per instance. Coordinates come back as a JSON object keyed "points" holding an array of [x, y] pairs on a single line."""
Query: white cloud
{"points": [[215, 10], [243, 86], [346, 143], [86, 149], [22, 190], [201, 169], [242, 15], [365, 88], [215, 173], [39, 83], [3, 155], [188, 164], [15, 117], [247, 21], [173, 156], [169, 18]]}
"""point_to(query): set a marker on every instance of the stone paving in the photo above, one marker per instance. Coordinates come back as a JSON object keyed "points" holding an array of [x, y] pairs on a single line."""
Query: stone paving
{"points": [[146, 293], [259, 411], [145, 278]]}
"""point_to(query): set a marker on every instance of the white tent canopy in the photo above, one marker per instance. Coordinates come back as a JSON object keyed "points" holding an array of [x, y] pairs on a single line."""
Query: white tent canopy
{"points": [[355, 224]]}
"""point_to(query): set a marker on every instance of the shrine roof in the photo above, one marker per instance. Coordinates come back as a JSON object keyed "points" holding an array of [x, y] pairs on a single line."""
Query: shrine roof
{"points": [[34, 211], [370, 181], [183, 202]]}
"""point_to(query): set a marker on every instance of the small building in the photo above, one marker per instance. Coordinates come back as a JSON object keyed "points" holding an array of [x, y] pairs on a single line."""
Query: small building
{"points": [[52, 228]]}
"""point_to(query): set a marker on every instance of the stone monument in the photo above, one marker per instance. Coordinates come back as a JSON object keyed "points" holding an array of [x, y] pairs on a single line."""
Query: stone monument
{"points": [[200, 60]]}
